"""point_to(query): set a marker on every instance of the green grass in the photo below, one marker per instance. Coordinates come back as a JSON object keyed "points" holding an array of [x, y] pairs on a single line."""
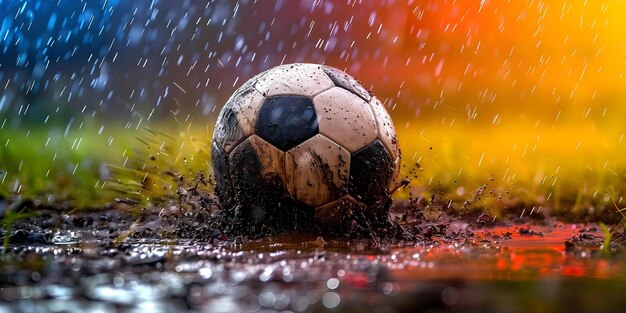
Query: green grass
{"points": [[55, 169], [87, 170], [571, 169], [12, 214]]}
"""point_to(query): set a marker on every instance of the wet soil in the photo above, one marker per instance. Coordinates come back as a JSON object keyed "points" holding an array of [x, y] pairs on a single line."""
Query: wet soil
{"points": [[165, 259]]}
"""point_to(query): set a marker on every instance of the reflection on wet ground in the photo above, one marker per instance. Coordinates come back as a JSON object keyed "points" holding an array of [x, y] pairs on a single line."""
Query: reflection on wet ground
{"points": [[510, 269]]}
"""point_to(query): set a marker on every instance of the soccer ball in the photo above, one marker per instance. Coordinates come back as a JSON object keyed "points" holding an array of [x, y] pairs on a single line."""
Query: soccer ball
{"points": [[300, 141]]}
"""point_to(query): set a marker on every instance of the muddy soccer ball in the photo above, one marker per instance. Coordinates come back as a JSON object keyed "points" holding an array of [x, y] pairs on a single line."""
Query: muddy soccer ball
{"points": [[303, 141]]}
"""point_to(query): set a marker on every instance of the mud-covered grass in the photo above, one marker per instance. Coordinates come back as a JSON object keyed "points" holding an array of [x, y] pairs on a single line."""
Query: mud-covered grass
{"points": [[443, 173], [198, 216], [574, 171]]}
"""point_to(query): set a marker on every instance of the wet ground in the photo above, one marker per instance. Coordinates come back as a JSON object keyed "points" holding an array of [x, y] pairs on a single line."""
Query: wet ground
{"points": [[105, 262]]}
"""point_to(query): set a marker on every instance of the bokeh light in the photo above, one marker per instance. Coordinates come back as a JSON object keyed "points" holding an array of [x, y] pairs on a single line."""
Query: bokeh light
{"points": [[523, 97]]}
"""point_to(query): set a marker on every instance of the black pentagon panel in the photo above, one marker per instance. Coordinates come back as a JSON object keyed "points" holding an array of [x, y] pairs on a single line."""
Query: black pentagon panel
{"points": [[345, 81], [287, 121], [224, 187], [257, 186], [371, 169], [247, 177], [258, 165]]}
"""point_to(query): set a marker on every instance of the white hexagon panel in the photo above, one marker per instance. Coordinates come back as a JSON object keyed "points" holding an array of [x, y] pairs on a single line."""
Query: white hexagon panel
{"points": [[386, 130], [345, 118], [237, 119], [294, 79], [317, 171]]}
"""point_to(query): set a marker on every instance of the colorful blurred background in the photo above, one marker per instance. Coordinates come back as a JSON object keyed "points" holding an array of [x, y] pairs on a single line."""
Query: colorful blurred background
{"points": [[507, 106]]}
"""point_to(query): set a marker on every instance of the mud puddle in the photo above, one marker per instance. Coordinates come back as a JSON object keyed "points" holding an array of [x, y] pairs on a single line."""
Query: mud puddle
{"points": [[549, 265]]}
